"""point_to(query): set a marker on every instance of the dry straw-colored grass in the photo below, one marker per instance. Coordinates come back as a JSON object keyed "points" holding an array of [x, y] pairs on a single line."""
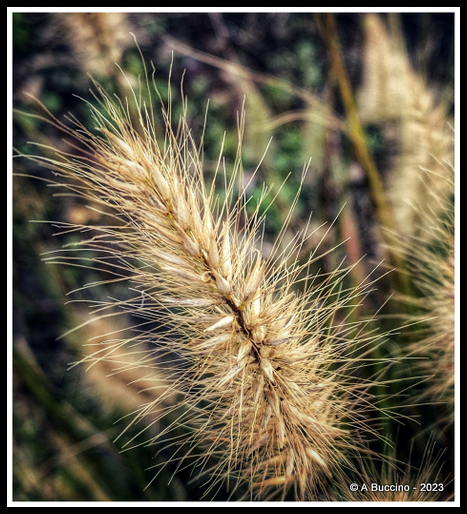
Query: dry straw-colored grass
{"points": [[256, 348], [97, 39], [398, 98], [430, 255], [401, 483]]}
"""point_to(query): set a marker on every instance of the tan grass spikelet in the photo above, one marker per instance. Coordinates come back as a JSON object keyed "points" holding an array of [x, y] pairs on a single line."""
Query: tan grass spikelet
{"points": [[431, 258], [97, 38], [398, 98], [257, 350], [127, 377]]}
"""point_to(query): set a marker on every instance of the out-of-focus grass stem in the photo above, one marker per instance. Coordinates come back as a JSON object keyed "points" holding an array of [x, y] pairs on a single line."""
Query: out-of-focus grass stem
{"points": [[355, 132]]}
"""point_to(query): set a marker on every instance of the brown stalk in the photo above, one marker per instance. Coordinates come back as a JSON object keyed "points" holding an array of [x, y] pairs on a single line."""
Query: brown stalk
{"points": [[327, 24]]}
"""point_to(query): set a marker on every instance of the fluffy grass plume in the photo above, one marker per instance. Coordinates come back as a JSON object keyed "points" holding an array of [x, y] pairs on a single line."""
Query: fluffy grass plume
{"points": [[430, 254], [257, 349], [415, 118]]}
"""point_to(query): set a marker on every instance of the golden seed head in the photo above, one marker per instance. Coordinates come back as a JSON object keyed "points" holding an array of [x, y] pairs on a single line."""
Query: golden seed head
{"points": [[254, 352]]}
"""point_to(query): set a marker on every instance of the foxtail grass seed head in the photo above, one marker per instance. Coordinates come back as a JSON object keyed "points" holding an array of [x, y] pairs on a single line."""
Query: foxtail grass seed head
{"points": [[431, 261], [257, 350]]}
